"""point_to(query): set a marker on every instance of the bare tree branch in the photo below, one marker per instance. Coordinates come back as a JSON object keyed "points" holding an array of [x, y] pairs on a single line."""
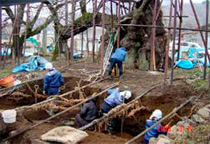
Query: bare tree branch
{"points": [[9, 13], [36, 16]]}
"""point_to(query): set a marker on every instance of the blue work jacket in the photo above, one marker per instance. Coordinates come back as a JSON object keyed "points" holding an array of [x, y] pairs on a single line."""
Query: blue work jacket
{"points": [[53, 79], [119, 54], [153, 132], [114, 99]]}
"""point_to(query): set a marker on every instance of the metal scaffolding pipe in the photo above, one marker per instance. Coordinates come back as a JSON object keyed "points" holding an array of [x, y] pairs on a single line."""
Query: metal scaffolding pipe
{"points": [[103, 39], [166, 27], [26, 30], [164, 118], [72, 28], [62, 112], [0, 36], [206, 34], [113, 112], [180, 31], [152, 48], [174, 39], [167, 47], [66, 23], [118, 22], [94, 27], [65, 94], [158, 12], [199, 27]]}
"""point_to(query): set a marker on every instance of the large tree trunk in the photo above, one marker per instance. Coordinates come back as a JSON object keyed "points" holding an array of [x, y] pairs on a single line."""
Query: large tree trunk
{"points": [[135, 39], [139, 38]]}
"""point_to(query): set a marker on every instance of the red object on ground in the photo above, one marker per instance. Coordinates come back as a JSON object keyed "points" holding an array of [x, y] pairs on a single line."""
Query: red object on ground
{"points": [[7, 81]]}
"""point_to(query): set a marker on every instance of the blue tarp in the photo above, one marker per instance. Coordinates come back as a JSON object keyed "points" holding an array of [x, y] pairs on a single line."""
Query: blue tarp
{"points": [[185, 64], [196, 53], [34, 63], [4, 51], [191, 52]]}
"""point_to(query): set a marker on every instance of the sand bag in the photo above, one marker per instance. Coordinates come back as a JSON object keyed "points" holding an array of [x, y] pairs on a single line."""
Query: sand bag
{"points": [[65, 135]]}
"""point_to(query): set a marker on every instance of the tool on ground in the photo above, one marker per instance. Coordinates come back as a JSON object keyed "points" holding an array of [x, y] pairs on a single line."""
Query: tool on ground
{"points": [[36, 90]]}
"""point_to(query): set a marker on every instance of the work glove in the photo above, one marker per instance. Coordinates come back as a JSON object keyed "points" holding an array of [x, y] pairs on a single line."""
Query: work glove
{"points": [[44, 92]]}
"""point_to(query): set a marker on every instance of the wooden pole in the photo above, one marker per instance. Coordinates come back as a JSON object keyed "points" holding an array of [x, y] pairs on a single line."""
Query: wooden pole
{"points": [[113, 112], [65, 94], [164, 118], [62, 112]]}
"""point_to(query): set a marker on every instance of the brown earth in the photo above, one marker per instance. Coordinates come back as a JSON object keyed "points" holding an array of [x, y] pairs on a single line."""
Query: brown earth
{"points": [[165, 98]]}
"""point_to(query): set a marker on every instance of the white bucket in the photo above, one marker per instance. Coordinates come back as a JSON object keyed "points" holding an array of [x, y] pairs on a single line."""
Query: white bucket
{"points": [[9, 116]]}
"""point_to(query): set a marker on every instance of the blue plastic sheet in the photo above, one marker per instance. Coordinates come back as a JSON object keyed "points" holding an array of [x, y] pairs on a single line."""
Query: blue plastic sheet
{"points": [[185, 64], [34, 63]]}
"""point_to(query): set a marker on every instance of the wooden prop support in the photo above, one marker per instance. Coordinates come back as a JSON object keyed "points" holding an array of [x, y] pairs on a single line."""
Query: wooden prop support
{"points": [[65, 94], [113, 112], [62, 112], [166, 117]]}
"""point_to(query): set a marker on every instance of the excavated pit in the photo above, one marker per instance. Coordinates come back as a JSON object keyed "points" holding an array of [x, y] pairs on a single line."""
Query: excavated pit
{"points": [[165, 98], [25, 95]]}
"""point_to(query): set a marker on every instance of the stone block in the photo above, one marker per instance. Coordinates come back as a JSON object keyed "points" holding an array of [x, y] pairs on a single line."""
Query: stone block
{"points": [[204, 112], [197, 118], [153, 140], [163, 141]]}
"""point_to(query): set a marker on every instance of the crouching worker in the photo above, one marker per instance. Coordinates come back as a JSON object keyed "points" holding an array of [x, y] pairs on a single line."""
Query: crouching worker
{"points": [[118, 57], [52, 81], [114, 99], [88, 113], [158, 129]]}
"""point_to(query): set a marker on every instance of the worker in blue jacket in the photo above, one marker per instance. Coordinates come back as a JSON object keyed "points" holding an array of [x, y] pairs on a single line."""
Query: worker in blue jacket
{"points": [[114, 99], [52, 81], [158, 129], [118, 57]]}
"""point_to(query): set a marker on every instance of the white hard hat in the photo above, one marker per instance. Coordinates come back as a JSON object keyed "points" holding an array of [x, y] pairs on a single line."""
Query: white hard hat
{"points": [[126, 94], [48, 66], [157, 114]]}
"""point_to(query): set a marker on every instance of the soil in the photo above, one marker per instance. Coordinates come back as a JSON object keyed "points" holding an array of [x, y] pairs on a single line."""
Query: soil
{"points": [[165, 98]]}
